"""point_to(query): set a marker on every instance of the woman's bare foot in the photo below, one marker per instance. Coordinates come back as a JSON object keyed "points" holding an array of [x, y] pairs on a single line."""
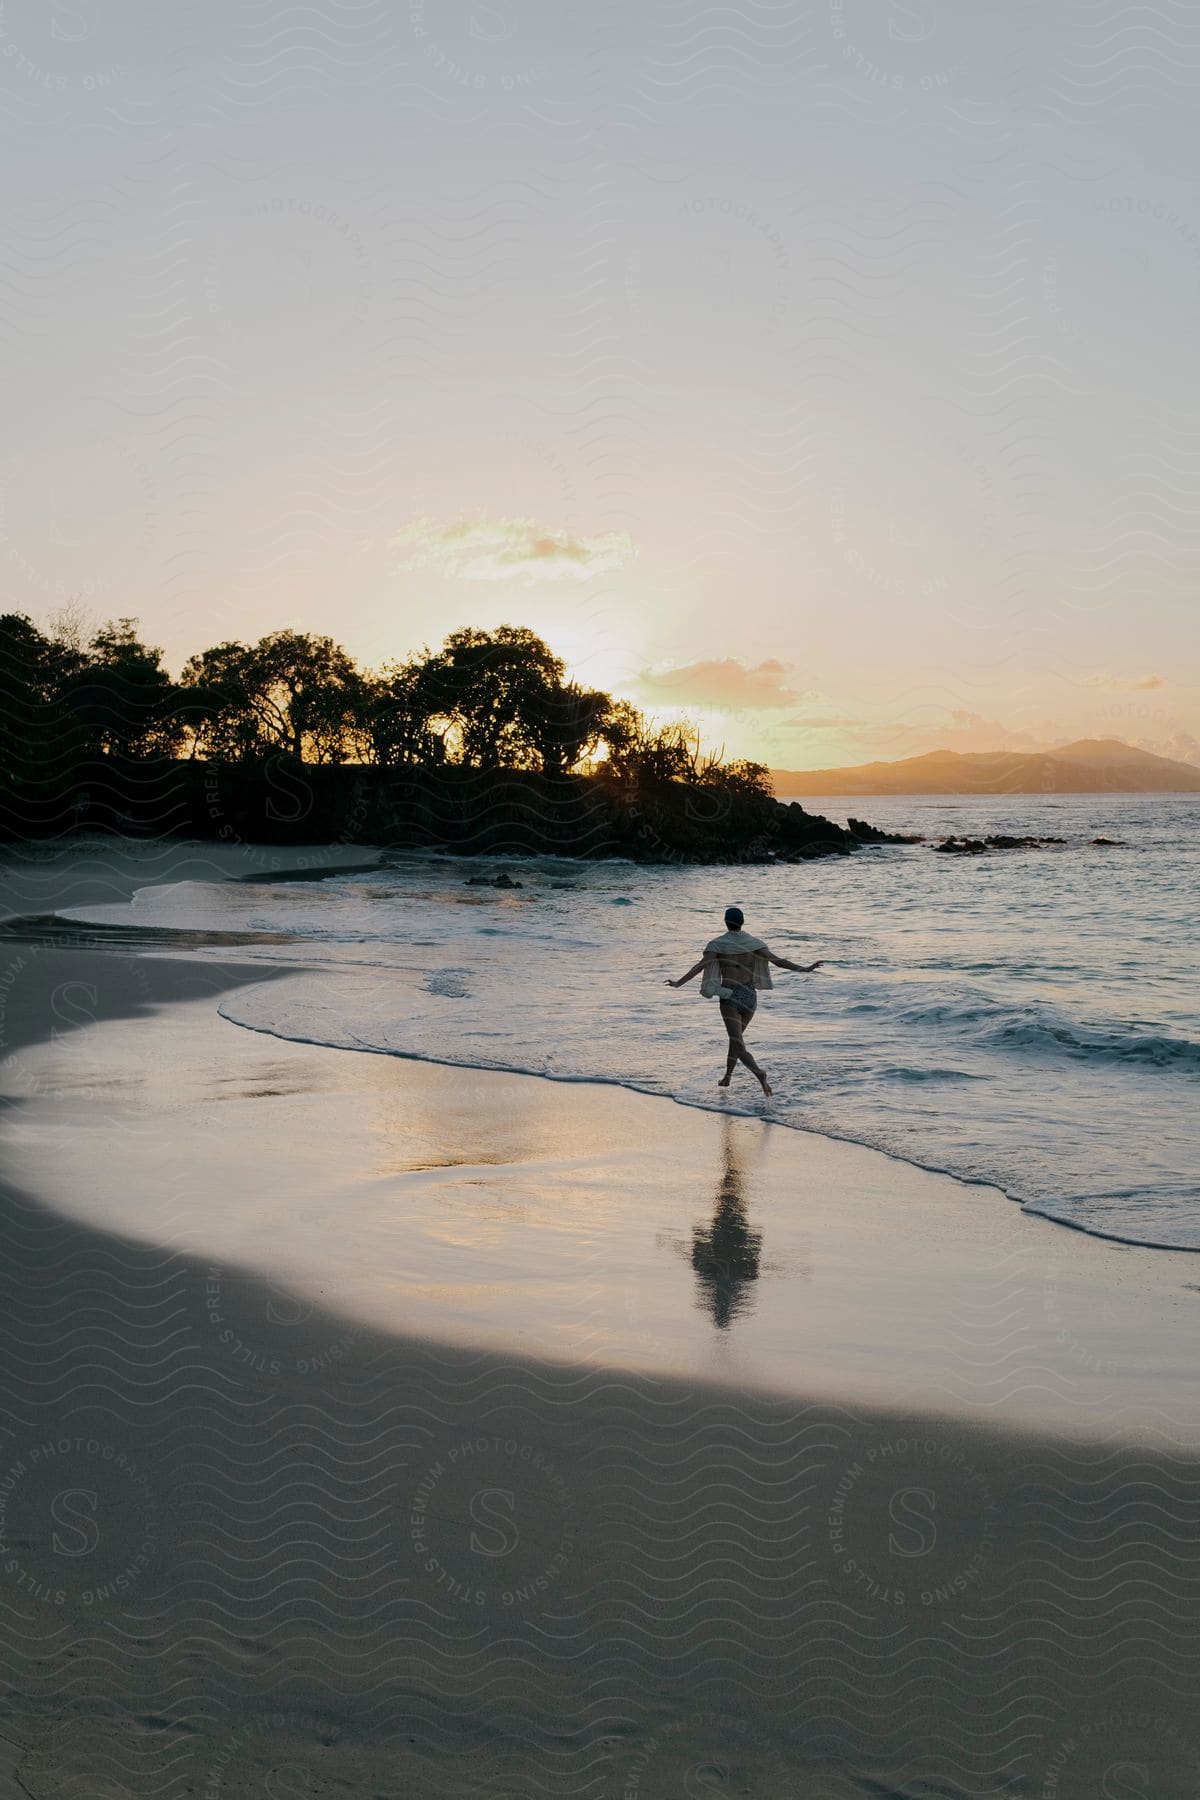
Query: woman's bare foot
{"points": [[767, 1089], [725, 1080]]}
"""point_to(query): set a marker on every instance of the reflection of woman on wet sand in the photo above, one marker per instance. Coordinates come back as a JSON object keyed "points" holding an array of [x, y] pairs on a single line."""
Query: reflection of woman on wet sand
{"points": [[736, 969], [725, 1254]]}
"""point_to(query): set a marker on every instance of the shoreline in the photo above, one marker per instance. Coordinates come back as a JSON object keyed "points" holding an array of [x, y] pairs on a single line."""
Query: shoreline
{"points": [[670, 1568], [320, 862], [40, 876], [719, 1110], [936, 1231], [44, 930], [481, 1433]]}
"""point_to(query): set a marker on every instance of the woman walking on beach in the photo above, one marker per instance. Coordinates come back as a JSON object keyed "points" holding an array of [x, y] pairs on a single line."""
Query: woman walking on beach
{"points": [[736, 970]]}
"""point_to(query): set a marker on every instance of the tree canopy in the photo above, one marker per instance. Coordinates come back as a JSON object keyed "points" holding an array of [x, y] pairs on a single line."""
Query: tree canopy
{"points": [[487, 700], [290, 692]]}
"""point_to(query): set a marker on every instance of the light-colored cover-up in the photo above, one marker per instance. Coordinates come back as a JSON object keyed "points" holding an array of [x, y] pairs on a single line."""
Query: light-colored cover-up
{"points": [[735, 943]]}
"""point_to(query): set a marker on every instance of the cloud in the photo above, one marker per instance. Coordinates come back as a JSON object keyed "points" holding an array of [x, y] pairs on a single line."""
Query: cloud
{"points": [[518, 550], [1126, 683], [724, 685]]}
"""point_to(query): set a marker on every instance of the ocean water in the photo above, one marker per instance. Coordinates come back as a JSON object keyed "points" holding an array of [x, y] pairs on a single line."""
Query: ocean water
{"points": [[1029, 1019]]}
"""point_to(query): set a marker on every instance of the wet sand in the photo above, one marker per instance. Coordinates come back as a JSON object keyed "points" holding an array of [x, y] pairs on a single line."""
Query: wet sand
{"points": [[578, 1222], [377, 1428]]}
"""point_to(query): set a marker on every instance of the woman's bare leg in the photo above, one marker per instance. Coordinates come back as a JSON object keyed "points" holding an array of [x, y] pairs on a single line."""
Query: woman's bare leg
{"points": [[735, 1024], [755, 1069]]}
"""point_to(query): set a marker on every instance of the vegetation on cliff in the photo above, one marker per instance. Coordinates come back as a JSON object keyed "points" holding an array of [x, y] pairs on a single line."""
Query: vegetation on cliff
{"points": [[480, 745]]}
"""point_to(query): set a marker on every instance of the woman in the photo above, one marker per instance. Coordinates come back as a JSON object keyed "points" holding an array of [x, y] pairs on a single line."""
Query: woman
{"points": [[736, 968]]}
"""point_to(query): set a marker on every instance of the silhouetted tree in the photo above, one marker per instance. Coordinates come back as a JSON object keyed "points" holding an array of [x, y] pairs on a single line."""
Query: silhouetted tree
{"points": [[216, 705], [488, 700], [120, 694], [647, 754], [749, 780], [37, 732], [67, 638], [491, 687], [624, 728], [292, 692], [566, 723], [403, 715]]}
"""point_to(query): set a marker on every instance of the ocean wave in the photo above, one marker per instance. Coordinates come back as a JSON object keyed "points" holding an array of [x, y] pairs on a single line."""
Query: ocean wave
{"points": [[1115, 1044], [1037, 1030], [898, 1072]]}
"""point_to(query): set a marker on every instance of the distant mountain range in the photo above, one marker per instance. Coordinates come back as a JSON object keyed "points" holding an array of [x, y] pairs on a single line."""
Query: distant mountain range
{"points": [[1092, 766]]}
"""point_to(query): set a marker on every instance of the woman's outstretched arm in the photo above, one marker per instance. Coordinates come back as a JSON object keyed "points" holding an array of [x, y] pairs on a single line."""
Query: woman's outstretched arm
{"points": [[781, 962], [684, 979]]}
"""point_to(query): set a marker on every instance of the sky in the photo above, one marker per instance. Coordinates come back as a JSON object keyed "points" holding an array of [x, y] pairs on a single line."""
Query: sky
{"points": [[822, 372]]}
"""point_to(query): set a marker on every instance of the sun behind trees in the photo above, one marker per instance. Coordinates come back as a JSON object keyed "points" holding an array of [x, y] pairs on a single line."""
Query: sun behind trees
{"points": [[481, 746], [485, 700]]}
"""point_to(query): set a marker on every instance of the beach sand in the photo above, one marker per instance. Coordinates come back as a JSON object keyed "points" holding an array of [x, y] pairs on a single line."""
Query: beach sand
{"points": [[378, 1428]]}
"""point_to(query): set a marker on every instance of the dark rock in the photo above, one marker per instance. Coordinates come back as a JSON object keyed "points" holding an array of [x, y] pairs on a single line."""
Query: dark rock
{"points": [[1111, 842], [796, 834], [449, 808], [873, 834], [998, 841]]}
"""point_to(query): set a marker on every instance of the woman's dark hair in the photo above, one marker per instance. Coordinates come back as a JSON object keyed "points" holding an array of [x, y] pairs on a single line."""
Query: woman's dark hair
{"points": [[735, 918]]}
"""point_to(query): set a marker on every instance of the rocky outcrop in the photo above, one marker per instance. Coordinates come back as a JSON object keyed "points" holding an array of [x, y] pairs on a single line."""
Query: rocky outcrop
{"points": [[964, 846], [497, 813], [871, 834]]}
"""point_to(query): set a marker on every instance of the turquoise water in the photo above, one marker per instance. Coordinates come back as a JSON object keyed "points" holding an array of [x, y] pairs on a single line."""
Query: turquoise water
{"points": [[1029, 1019]]}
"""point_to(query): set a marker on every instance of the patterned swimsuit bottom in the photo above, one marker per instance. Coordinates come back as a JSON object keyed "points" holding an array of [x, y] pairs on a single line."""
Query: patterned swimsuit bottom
{"points": [[741, 995]]}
